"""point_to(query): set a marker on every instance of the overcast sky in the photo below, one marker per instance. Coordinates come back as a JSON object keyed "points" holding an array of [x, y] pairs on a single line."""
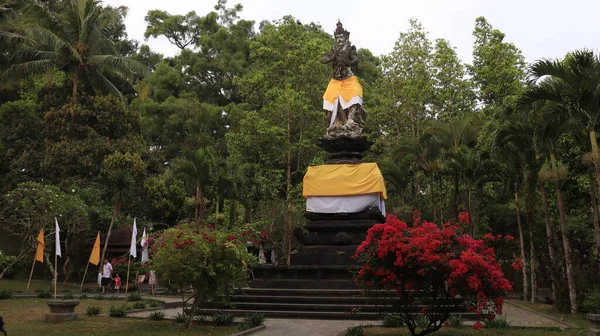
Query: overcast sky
{"points": [[540, 28]]}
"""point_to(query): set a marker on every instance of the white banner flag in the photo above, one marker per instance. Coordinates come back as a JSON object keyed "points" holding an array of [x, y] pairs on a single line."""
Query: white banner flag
{"points": [[144, 244], [132, 248], [57, 238]]}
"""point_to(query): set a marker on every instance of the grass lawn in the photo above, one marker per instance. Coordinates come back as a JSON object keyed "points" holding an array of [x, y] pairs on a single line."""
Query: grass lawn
{"points": [[26, 317], [576, 319], [18, 286], [379, 331]]}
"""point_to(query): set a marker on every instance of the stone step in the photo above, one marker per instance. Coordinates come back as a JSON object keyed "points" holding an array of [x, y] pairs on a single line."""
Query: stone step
{"points": [[354, 300], [324, 315], [309, 284], [332, 307], [299, 292]]}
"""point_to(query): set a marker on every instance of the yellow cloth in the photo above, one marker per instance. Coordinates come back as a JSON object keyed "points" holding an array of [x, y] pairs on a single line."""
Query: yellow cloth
{"points": [[343, 180], [95, 256], [39, 252], [348, 88]]}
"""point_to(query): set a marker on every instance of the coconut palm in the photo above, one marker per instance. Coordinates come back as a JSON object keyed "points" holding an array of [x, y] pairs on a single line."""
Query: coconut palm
{"points": [[119, 184], [76, 43], [195, 168]]}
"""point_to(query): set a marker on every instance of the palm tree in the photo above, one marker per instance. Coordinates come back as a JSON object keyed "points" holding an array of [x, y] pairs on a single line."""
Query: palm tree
{"points": [[195, 167], [76, 43], [119, 184]]}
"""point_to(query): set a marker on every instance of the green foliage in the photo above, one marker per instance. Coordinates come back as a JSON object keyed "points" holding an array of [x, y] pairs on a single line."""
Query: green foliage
{"points": [[222, 318], [118, 311], [355, 331], [497, 323], [456, 321], [252, 320], [157, 315], [83, 296], [591, 301], [113, 298], [154, 303], [99, 297], [139, 305], [5, 294], [180, 318], [391, 322], [136, 296], [201, 319], [7, 261], [68, 296], [93, 310], [43, 293]]}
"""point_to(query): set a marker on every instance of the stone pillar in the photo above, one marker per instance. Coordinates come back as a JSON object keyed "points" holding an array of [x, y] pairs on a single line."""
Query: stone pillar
{"points": [[61, 310], [594, 329]]}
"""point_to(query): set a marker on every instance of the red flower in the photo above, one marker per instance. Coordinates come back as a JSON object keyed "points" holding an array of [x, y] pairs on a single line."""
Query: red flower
{"points": [[509, 237], [518, 264], [477, 325]]}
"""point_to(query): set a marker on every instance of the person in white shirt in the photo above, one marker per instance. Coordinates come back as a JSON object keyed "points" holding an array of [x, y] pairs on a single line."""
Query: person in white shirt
{"points": [[106, 275]]}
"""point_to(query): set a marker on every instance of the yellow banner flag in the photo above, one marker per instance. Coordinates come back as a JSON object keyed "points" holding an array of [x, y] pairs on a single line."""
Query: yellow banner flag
{"points": [[95, 256], [39, 253]]}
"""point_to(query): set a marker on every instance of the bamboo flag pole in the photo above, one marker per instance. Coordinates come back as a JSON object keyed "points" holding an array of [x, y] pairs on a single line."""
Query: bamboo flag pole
{"points": [[30, 275], [94, 258], [56, 254], [127, 283], [132, 252], [84, 274], [55, 272]]}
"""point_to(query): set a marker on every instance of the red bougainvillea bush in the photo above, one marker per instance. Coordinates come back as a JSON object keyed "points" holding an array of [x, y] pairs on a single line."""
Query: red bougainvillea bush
{"points": [[420, 273]]}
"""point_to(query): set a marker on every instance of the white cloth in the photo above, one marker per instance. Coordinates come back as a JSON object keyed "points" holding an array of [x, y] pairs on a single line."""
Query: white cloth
{"points": [[345, 104], [99, 279], [57, 238], [344, 204], [132, 248], [144, 244], [261, 256], [106, 270]]}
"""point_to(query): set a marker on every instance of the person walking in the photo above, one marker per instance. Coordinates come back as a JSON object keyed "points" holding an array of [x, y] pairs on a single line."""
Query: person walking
{"points": [[152, 282], [118, 283], [106, 275]]}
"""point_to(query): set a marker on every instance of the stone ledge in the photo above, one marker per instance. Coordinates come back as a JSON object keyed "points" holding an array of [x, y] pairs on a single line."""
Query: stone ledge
{"points": [[251, 330]]}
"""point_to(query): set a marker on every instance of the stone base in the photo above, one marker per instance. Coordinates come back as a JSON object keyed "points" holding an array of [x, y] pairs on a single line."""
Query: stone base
{"points": [[345, 149], [61, 310], [594, 329]]}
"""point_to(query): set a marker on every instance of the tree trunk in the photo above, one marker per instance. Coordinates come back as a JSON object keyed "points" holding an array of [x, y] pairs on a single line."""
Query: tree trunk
{"points": [[530, 217], [565, 239], [7, 268], [594, 197], [66, 269], [49, 265], [522, 246], [75, 85], [433, 203], [551, 255], [200, 206], [112, 221], [288, 217]]}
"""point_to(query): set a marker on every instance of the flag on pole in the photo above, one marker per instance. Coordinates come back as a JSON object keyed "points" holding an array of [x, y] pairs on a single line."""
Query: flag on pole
{"points": [[95, 256], [132, 248], [39, 252], [58, 252], [144, 243]]}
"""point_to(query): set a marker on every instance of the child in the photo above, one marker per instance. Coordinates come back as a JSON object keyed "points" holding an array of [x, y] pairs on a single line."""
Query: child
{"points": [[152, 281], [117, 283]]}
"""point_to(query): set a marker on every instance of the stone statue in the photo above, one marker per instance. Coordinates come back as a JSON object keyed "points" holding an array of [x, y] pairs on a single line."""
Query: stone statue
{"points": [[343, 98]]}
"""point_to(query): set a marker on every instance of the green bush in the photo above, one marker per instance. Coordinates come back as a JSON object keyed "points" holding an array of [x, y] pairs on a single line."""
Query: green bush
{"points": [[391, 322], [83, 296], [68, 296], [252, 320], [117, 311], [154, 303], [99, 297], [113, 298], [497, 323], [356, 331], [157, 316], [203, 320], [5, 294], [134, 297], [86, 290], [139, 305], [93, 310], [180, 318], [591, 303], [43, 293], [223, 318], [456, 321], [6, 260]]}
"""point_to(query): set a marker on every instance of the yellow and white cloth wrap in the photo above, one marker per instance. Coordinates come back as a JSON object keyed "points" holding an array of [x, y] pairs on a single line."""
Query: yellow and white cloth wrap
{"points": [[347, 92], [344, 188]]}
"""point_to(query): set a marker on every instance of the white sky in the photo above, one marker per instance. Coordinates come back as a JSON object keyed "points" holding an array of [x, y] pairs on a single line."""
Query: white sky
{"points": [[540, 28]]}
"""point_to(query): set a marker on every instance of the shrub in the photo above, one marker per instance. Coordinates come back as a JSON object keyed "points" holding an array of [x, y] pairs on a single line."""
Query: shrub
{"points": [[83, 296], [497, 323], [355, 331], [99, 297], [591, 303], [456, 321], [157, 316], [5, 294], [181, 318], [202, 320], [113, 298], [93, 310], [43, 293], [252, 320], [391, 322], [68, 296], [134, 297], [86, 290], [139, 305], [154, 303], [223, 318], [429, 264], [117, 311]]}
